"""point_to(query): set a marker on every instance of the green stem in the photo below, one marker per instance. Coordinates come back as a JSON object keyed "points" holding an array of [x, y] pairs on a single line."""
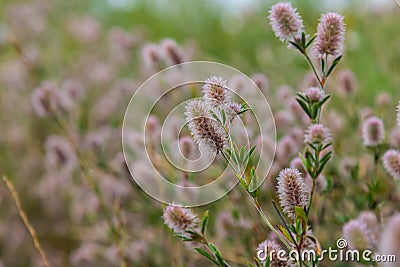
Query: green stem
{"points": [[313, 68], [258, 206], [311, 198], [267, 222]]}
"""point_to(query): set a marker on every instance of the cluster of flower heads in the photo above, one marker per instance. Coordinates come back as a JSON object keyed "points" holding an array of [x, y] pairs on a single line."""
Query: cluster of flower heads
{"points": [[48, 99], [288, 26], [206, 130], [155, 56]]}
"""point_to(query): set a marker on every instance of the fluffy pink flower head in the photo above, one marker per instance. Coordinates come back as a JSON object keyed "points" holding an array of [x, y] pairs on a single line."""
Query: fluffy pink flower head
{"points": [[172, 51], [391, 162], [296, 163], [373, 131], [394, 137], [186, 145], [204, 129], [398, 113], [371, 222], [152, 55], [270, 249], [356, 234], [216, 93], [285, 149], [315, 94], [152, 128], [292, 191], [261, 81], [285, 21], [317, 134], [45, 99], [60, 154], [180, 219], [330, 35], [390, 241], [347, 82]]}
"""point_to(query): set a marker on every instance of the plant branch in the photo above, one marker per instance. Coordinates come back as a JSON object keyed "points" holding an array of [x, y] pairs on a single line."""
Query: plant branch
{"points": [[25, 220]]}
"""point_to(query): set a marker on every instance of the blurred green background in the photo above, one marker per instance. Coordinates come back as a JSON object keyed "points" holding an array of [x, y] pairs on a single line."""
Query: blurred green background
{"points": [[236, 33]]}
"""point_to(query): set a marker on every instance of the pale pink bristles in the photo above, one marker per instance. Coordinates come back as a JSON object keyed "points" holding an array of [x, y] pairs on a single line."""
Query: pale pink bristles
{"points": [[152, 55], [391, 163], [45, 99], [355, 233], [317, 134], [373, 131], [270, 250], [205, 130], [390, 241], [315, 94], [216, 93], [180, 219], [292, 191], [172, 51], [286, 22], [330, 35]]}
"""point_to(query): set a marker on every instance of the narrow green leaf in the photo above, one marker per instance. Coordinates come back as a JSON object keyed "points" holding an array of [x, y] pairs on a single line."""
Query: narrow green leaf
{"points": [[304, 106], [284, 232], [326, 146], [303, 97], [206, 254], [324, 100], [248, 155], [243, 111], [334, 63], [311, 40], [301, 214], [296, 46], [323, 66], [243, 105], [326, 157], [322, 167], [217, 254], [314, 111], [223, 116], [215, 116], [242, 154], [204, 222]]}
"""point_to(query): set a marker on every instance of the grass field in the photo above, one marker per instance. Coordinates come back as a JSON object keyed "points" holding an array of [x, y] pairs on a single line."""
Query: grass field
{"points": [[67, 72]]}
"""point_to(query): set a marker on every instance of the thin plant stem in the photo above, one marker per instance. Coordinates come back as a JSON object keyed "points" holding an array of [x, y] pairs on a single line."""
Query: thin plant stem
{"points": [[311, 197], [205, 242], [284, 222], [313, 68], [267, 222], [25, 220], [258, 207]]}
